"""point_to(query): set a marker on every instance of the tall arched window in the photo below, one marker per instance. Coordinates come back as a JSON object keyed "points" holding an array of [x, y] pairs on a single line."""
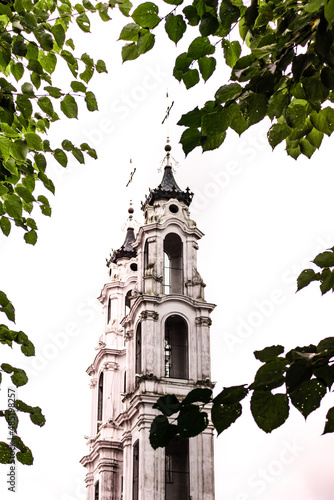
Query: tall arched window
{"points": [[135, 471], [109, 310], [97, 491], [146, 261], [177, 485], [138, 350], [127, 302], [176, 347], [173, 264], [100, 401]]}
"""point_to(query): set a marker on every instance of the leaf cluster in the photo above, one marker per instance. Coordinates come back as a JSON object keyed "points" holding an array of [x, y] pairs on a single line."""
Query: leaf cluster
{"points": [[33, 42], [325, 261], [16, 448], [286, 72], [301, 378]]}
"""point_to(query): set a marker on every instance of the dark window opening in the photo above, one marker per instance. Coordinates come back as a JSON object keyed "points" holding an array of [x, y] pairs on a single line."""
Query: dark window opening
{"points": [[173, 264], [96, 491], [176, 347], [138, 353], [177, 486], [100, 401], [145, 255], [124, 382], [133, 266], [174, 209], [127, 302], [109, 310], [135, 481]]}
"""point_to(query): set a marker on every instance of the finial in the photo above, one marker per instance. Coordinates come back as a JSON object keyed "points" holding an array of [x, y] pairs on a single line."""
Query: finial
{"points": [[168, 148]]}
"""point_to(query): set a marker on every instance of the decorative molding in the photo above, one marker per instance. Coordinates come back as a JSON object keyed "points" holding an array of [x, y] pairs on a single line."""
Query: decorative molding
{"points": [[93, 383], [203, 321], [110, 365], [149, 315], [128, 335]]}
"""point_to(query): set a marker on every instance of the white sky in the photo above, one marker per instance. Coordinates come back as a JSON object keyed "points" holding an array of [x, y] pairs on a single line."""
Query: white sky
{"points": [[264, 215]]}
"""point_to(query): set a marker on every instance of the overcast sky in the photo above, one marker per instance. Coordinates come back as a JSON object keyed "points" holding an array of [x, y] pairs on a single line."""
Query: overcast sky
{"points": [[264, 215]]}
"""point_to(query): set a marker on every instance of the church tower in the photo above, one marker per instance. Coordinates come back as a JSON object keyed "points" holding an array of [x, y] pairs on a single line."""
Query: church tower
{"points": [[156, 341]]}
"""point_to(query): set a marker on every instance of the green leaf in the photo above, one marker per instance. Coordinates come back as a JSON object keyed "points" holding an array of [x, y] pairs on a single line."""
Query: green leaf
{"points": [[101, 66], [5, 225], [78, 86], [207, 65], [83, 22], [60, 157], [269, 411], [24, 105], [34, 142], [224, 416], [209, 24], [198, 395], [130, 32], [129, 52], [30, 237], [168, 405], [13, 206], [58, 33], [298, 372], [191, 421], [48, 61], [124, 6], [228, 92], [161, 432], [17, 70], [54, 92], [40, 161], [270, 375], [269, 353], [11, 419], [19, 377], [190, 78], [329, 425], [192, 15], [145, 42], [46, 105], [6, 453], [232, 51], [37, 417], [229, 14], [200, 47], [190, 139], [19, 149], [214, 126], [192, 118], [175, 27], [69, 106], [6, 307], [277, 133], [308, 396], [255, 108], [91, 101], [231, 395], [78, 155], [5, 366], [24, 193], [324, 259], [236, 118], [324, 120], [329, 11], [146, 15]]}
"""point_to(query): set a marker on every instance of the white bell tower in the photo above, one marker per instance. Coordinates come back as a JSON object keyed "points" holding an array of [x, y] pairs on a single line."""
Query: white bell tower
{"points": [[156, 342]]}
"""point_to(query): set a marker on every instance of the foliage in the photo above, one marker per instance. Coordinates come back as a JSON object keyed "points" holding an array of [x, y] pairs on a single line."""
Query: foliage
{"points": [[16, 448], [34, 46], [301, 378], [282, 66]]}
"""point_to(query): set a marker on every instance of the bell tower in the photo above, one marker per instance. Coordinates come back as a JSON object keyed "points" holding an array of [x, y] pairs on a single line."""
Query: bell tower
{"points": [[156, 341]]}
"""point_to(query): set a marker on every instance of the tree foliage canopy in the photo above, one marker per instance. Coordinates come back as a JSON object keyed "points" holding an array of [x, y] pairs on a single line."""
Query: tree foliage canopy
{"points": [[282, 66]]}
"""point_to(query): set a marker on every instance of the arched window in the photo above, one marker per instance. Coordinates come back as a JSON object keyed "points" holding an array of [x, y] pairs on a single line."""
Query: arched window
{"points": [[146, 261], [173, 264], [138, 351], [97, 491], [100, 401], [135, 475], [177, 485], [124, 382], [127, 302], [176, 347], [109, 310]]}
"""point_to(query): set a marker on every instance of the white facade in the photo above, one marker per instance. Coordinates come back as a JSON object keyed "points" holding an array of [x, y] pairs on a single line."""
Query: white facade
{"points": [[156, 342]]}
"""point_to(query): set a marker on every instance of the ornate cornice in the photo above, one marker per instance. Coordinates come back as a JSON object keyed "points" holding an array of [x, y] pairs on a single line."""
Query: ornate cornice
{"points": [[149, 315], [203, 321]]}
